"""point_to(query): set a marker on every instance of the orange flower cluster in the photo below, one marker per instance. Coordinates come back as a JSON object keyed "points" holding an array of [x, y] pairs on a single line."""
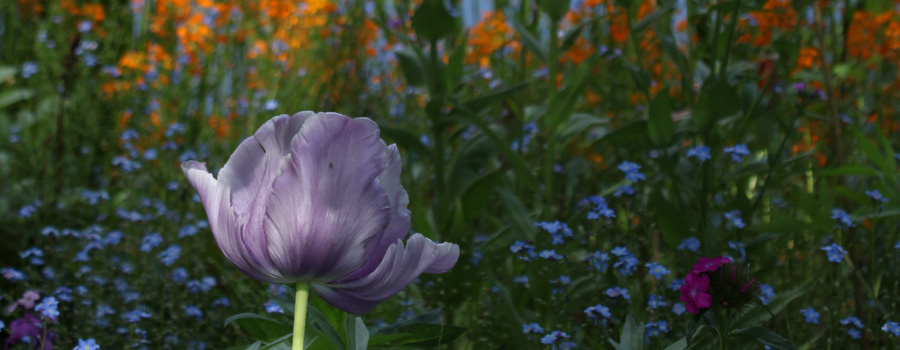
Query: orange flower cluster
{"points": [[489, 35], [776, 15], [872, 34]]}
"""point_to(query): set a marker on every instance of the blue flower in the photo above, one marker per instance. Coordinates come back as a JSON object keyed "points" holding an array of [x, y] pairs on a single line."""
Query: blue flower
{"points": [[631, 171], [551, 337], [273, 308], [271, 105], [678, 309], [84, 26], [835, 252], [620, 251], [523, 280], [842, 217], [690, 243], [168, 256], [627, 264], [766, 293], [596, 311], [48, 307], [854, 333], [700, 152], [735, 217], [656, 270], [597, 260], [28, 69], [193, 311], [136, 315], [2, 325], [654, 329], [150, 241], [737, 152], [104, 310], [656, 301], [600, 208], [852, 320], [892, 327], [532, 328], [89, 344], [617, 292], [739, 247], [811, 315], [876, 196], [623, 190], [223, 301], [187, 231], [550, 255]]}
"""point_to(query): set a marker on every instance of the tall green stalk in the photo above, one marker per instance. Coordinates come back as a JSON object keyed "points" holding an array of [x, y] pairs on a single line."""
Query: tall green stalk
{"points": [[300, 315]]}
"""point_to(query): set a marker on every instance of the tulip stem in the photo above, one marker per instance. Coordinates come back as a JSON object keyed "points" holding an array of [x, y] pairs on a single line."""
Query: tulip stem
{"points": [[300, 314]]}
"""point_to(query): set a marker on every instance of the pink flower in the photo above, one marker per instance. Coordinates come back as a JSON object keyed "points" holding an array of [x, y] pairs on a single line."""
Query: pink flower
{"points": [[693, 293], [709, 264]]}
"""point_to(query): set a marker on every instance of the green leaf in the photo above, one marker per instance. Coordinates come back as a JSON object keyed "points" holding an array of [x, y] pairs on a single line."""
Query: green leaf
{"points": [[528, 40], [757, 314], [717, 100], [357, 334], [572, 35], [632, 336], [432, 21], [850, 169], [324, 322], [644, 23], [10, 97], [280, 341], [422, 331], [259, 327], [7, 72], [517, 213], [580, 122], [472, 155], [477, 105], [404, 139], [640, 77], [661, 127], [556, 9], [631, 135], [455, 64], [693, 333], [766, 337], [670, 220], [477, 197], [412, 67], [560, 110], [522, 170]]}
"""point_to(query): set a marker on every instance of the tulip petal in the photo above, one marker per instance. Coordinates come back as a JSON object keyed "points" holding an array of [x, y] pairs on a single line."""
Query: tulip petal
{"points": [[401, 265], [400, 220], [221, 217], [327, 204]]}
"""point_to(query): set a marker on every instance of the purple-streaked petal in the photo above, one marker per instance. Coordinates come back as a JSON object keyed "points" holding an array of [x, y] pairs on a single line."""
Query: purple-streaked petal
{"points": [[221, 217], [327, 205], [400, 221], [401, 265], [249, 174]]}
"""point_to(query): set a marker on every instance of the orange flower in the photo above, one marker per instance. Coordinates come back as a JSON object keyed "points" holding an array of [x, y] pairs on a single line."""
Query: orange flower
{"points": [[487, 36]]}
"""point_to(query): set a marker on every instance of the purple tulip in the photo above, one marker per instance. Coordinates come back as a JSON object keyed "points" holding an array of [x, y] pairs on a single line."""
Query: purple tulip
{"points": [[316, 198]]}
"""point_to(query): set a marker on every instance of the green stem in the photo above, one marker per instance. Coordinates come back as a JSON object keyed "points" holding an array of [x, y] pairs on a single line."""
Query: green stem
{"points": [[721, 341], [300, 314]]}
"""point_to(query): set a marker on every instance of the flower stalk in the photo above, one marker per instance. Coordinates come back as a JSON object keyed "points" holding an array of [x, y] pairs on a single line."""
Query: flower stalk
{"points": [[300, 302]]}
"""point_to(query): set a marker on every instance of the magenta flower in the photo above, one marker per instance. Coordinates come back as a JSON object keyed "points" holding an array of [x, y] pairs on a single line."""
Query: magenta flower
{"points": [[316, 198], [693, 293], [709, 264]]}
